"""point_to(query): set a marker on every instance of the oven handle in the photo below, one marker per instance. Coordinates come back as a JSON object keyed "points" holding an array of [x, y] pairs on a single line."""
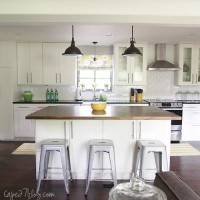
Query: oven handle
{"points": [[172, 109]]}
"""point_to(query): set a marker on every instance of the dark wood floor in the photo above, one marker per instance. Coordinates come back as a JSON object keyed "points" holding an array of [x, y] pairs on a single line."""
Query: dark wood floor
{"points": [[17, 178]]}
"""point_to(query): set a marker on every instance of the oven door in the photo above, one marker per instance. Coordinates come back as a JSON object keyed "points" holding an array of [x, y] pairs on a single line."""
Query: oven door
{"points": [[176, 125]]}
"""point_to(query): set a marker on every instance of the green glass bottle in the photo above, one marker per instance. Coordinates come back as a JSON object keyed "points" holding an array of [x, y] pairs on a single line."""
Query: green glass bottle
{"points": [[56, 95], [47, 96], [52, 98]]}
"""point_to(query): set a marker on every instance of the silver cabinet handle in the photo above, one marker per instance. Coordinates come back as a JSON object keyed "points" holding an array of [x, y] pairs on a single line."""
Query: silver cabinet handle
{"points": [[23, 107], [133, 130], [65, 130], [132, 78], [192, 78], [128, 77], [31, 78], [27, 77], [60, 78], [72, 131], [196, 78], [140, 130], [56, 78]]}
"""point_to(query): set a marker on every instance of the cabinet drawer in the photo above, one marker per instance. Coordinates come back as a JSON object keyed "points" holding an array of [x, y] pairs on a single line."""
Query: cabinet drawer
{"points": [[23, 106]]}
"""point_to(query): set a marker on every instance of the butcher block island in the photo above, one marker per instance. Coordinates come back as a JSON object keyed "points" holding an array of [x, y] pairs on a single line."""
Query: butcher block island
{"points": [[79, 124]]}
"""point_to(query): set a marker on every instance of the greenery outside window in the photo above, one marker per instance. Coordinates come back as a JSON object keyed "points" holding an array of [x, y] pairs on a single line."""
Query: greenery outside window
{"points": [[95, 73]]}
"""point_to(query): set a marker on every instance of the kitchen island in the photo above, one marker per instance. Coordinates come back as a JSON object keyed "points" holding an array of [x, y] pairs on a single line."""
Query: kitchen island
{"points": [[79, 124]]}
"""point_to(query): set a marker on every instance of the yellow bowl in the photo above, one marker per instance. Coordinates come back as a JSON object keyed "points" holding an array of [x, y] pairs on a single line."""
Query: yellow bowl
{"points": [[98, 106]]}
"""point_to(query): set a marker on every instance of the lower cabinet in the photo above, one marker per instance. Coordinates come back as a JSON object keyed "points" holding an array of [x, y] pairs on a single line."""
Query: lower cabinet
{"points": [[124, 134], [191, 122], [23, 128]]}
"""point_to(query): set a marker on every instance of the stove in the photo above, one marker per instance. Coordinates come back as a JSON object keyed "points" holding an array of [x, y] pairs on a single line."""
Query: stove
{"points": [[173, 106], [165, 103]]}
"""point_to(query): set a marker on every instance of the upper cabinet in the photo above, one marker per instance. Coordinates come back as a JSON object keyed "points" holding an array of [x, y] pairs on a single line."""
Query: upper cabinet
{"points": [[189, 62], [58, 69], [130, 70], [29, 60]]}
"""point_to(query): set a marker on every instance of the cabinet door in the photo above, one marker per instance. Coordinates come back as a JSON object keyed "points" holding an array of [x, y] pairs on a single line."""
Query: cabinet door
{"points": [[58, 69], [123, 134], [50, 63], [23, 127], [23, 62], [81, 132], [186, 63], [29, 61], [191, 122], [67, 67], [139, 66], [197, 64], [35, 76], [129, 70], [191, 132], [121, 66]]}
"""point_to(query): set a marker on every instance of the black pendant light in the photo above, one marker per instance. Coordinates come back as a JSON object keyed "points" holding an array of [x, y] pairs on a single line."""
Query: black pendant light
{"points": [[72, 50], [94, 51], [132, 50]]}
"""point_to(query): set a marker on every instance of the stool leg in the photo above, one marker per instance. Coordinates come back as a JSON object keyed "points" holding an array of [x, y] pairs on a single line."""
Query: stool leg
{"points": [[41, 169], [46, 163], [89, 171], [137, 162], [141, 163], [69, 163], [165, 161], [64, 168], [113, 165], [158, 161]]}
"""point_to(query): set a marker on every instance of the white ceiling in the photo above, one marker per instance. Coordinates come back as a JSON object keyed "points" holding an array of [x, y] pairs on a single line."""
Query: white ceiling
{"points": [[85, 34]]}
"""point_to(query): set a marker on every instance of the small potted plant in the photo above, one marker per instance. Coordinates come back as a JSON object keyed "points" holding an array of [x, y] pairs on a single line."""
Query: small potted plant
{"points": [[94, 85], [106, 85], [82, 86]]}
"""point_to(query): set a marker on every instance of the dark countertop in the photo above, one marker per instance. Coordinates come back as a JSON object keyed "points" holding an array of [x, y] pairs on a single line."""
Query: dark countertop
{"points": [[76, 102], [110, 113], [48, 102]]}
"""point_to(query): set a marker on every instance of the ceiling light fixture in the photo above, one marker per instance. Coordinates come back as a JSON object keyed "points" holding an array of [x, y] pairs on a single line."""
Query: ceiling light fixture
{"points": [[72, 50], [132, 50], [94, 51]]}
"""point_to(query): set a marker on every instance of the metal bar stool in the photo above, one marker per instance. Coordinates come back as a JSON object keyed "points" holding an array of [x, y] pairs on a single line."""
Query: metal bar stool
{"points": [[51, 145], [144, 148], [105, 146]]}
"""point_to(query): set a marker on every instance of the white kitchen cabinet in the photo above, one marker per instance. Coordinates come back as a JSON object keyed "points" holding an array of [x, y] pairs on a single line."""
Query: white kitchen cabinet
{"points": [[29, 60], [130, 70], [23, 128], [58, 69], [191, 122], [189, 61]]}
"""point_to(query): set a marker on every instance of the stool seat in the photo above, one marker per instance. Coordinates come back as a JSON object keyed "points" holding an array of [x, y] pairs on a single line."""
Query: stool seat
{"points": [[144, 149], [105, 146], [51, 145]]}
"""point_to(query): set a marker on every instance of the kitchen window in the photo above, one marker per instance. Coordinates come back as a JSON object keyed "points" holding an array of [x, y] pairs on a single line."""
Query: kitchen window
{"points": [[95, 73]]}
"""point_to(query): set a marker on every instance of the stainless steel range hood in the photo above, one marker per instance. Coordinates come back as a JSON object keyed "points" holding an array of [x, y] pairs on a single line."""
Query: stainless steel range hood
{"points": [[161, 62]]}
